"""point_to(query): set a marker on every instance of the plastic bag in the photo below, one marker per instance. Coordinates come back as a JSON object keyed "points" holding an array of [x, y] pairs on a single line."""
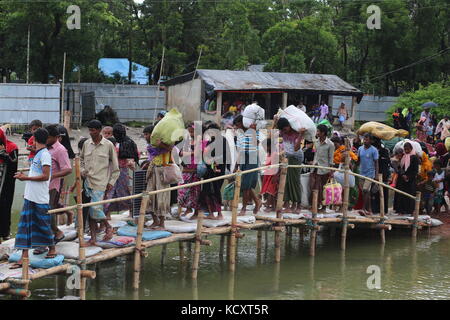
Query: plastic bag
{"points": [[305, 190], [170, 129], [254, 114], [339, 176], [298, 120], [381, 131], [201, 170], [332, 193], [172, 174]]}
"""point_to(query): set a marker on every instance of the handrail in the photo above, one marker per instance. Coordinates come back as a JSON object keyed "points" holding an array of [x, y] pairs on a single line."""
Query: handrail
{"points": [[356, 175], [231, 175], [150, 193]]}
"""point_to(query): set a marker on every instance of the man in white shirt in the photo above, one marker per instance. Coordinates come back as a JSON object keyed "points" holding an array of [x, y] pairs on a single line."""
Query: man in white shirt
{"points": [[34, 229]]}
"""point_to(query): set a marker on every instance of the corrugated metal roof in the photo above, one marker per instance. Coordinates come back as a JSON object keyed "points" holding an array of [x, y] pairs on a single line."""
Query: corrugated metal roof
{"points": [[227, 80]]}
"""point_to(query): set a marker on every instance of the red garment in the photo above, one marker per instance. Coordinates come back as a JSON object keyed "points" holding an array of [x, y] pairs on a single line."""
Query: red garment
{"points": [[30, 143], [270, 182], [10, 146]]}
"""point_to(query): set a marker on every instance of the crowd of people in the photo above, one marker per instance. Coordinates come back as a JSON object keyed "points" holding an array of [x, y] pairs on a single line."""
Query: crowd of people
{"points": [[109, 154]]}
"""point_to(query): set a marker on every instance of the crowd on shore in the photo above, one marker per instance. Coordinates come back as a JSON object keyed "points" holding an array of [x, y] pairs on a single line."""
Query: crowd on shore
{"points": [[108, 156]]}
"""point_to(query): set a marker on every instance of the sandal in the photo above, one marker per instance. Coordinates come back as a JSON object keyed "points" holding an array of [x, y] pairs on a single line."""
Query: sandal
{"points": [[39, 251], [59, 239]]}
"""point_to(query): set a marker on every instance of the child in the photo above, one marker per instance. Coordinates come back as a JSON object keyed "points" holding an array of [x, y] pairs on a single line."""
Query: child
{"points": [[395, 164], [34, 228], [34, 125], [271, 178], [439, 179], [428, 188]]}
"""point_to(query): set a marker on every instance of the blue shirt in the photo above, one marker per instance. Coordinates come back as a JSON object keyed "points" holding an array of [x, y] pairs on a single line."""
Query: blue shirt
{"points": [[367, 161]]}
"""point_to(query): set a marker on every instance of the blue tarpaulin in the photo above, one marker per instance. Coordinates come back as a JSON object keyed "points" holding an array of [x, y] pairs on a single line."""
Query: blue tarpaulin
{"points": [[110, 66]]}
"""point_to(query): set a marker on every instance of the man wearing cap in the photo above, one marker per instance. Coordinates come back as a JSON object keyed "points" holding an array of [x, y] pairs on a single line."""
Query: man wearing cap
{"points": [[100, 168]]}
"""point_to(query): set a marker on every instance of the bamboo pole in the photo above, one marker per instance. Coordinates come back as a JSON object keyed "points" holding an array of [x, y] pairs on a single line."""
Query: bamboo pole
{"points": [[198, 244], [346, 196], [416, 215], [163, 254], [25, 271], [312, 248], [221, 247], [48, 272], [181, 249], [237, 191], [382, 230], [279, 207], [80, 227], [138, 248], [258, 243]]}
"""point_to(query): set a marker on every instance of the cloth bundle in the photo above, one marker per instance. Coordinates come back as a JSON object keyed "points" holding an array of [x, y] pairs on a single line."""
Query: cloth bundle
{"points": [[298, 120]]}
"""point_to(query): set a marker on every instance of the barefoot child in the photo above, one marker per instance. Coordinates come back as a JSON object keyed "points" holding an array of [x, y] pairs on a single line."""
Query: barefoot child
{"points": [[428, 188], [34, 229]]}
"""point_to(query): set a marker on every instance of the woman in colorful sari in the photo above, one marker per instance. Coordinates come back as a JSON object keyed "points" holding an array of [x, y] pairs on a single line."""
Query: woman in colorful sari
{"points": [[421, 132], [128, 158], [188, 197], [8, 167]]}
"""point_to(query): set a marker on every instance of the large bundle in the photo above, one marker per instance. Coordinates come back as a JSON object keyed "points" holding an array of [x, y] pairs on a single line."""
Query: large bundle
{"points": [[299, 120], [416, 147], [254, 114], [170, 129], [382, 131]]}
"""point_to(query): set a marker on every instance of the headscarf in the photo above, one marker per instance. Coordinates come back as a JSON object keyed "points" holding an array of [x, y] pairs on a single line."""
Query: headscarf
{"points": [[440, 149], [127, 147], [65, 141], [9, 146], [406, 159]]}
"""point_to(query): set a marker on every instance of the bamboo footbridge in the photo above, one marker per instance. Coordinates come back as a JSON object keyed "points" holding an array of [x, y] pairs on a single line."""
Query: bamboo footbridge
{"points": [[229, 234]]}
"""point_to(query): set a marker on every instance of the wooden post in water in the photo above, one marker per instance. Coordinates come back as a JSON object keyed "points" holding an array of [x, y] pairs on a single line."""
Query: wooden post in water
{"points": [[181, 248], [237, 191], [80, 227], [221, 246], [258, 243], [198, 244], [416, 215], [382, 230], [163, 254], [346, 196], [312, 245], [138, 249], [279, 207]]}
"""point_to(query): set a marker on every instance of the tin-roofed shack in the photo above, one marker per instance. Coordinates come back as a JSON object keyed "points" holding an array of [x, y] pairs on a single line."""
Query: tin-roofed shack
{"points": [[223, 89]]}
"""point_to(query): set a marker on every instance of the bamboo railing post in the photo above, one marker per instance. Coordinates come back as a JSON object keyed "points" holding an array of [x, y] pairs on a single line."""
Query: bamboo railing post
{"points": [[382, 230], [312, 247], [25, 274], [346, 196], [138, 250], [237, 191], [80, 227], [415, 225], [198, 244], [279, 207]]}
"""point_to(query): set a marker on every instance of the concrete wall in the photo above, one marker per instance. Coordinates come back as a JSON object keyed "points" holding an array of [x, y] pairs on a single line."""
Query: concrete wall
{"points": [[187, 98], [131, 102], [22, 103], [371, 108]]}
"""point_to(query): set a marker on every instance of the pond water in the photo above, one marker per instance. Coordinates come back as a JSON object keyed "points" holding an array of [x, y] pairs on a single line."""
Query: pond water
{"points": [[408, 270]]}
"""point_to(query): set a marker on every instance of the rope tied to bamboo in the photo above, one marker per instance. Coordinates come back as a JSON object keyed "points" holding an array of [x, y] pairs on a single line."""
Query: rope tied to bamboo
{"points": [[382, 220], [311, 223]]}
